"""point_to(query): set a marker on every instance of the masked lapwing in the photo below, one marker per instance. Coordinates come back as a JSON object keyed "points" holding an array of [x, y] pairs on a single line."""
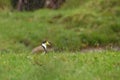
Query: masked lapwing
{"points": [[43, 48]]}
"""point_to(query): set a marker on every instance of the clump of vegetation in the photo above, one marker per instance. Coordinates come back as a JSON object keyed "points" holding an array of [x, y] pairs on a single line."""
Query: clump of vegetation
{"points": [[5, 4]]}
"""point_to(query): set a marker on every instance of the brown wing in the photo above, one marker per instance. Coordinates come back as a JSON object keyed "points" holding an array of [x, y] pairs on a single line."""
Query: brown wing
{"points": [[38, 49]]}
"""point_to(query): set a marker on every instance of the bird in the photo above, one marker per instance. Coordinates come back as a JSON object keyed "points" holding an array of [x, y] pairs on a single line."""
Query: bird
{"points": [[43, 48]]}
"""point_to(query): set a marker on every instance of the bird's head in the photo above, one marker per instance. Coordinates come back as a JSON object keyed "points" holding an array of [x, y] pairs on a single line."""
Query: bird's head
{"points": [[46, 44]]}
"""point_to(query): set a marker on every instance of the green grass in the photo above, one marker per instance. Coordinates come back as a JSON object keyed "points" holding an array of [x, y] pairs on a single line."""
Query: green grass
{"points": [[67, 31], [70, 28], [60, 66], [77, 24]]}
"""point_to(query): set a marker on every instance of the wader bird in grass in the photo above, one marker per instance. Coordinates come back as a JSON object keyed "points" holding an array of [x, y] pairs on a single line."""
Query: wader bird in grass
{"points": [[43, 48]]}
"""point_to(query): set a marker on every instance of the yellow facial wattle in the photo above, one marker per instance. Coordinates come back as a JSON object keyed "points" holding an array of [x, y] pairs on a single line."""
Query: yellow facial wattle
{"points": [[47, 43]]}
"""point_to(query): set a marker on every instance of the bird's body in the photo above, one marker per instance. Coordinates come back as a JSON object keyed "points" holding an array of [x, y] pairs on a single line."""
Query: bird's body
{"points": [[38, 49], [43, 48]]}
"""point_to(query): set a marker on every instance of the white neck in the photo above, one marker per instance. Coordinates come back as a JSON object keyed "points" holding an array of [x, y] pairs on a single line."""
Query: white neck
{"points": [[44, 45]]}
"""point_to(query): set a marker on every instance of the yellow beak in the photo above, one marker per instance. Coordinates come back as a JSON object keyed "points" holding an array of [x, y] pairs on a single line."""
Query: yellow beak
{"points": [[47, 43]]}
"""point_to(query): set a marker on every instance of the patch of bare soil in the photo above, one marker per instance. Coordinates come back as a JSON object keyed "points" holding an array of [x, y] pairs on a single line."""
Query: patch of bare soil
{"points": [[100, 49]]}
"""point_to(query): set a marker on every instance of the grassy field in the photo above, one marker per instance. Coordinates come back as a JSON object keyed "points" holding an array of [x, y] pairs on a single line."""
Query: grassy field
{"points": [[65, 29], [77, 25], [60, 66], [69, 28]]}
